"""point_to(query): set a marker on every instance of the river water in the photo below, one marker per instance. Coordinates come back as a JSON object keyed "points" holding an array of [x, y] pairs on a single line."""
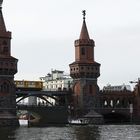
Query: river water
{"points": [[101, 132]]}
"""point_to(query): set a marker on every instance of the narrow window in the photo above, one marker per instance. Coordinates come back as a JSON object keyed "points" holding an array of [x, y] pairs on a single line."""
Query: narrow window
{"points": [[90, 89], [83, 51]]}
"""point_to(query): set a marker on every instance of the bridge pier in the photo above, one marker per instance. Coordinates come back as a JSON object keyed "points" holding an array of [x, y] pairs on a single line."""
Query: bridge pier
{"points": [[46, 116], [8, 118]]}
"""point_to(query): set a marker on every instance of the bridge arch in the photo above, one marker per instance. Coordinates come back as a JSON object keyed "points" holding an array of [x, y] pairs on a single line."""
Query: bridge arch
{"points": [[36, 95]]}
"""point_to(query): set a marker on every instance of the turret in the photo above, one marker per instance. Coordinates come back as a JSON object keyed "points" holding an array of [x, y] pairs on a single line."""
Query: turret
{"points": [[8, 67], [8, 64], [84, 71], [84, 65]]}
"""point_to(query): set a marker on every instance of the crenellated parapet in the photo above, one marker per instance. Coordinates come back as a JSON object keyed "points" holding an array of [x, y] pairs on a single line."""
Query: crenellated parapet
{"points": [[83, 42]]}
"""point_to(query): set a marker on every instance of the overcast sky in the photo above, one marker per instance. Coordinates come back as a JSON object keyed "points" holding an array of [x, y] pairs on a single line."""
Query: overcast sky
{"points": [[44, 32]]}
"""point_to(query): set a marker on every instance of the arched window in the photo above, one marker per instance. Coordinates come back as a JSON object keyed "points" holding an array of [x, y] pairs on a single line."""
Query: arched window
{"points": [[5, 87]]}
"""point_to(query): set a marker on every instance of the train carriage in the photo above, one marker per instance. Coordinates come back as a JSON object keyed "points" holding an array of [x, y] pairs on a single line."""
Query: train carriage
{"points": [[25, 85]]}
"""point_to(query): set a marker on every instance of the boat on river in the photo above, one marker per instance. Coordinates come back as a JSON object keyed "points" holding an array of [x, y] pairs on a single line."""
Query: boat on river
{"points": [[79, 121], [23, 122]]}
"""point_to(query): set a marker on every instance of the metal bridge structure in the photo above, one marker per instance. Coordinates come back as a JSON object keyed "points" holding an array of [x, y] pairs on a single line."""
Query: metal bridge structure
{"points": [[60, 97], [112, 105], [46, 113]]}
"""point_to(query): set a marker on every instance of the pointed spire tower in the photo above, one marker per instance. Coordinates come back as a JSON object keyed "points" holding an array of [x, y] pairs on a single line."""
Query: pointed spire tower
{"points": [[84, 70], [2, 24], [84, 32], [8, 67]]}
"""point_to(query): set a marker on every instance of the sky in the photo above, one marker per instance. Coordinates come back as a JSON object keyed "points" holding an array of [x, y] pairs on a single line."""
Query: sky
{"points": [[44, 31]]}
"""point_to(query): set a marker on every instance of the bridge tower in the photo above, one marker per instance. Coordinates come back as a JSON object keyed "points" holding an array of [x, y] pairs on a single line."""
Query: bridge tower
{"points": [[8, 67], [85, 71]]}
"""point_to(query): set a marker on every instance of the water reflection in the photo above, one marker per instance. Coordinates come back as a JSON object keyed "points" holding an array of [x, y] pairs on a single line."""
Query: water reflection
{"points": [[120, 132], [87, 133], [7, 133], [101, 132]]}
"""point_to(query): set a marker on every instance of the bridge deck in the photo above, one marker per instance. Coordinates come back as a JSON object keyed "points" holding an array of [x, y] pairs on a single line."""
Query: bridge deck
{"points": [[47, 93]]}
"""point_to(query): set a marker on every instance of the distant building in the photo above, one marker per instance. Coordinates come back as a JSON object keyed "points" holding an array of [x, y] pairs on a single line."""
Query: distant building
{"points": [[117, 88], [56, 80]]}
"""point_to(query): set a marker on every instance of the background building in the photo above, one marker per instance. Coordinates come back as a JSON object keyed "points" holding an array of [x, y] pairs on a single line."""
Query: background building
{"points": [[56, 80], [117, 88]]}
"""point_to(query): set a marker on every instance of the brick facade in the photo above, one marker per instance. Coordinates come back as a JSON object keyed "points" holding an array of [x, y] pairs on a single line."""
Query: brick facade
{"points": [[85, 71], [8, 67]]}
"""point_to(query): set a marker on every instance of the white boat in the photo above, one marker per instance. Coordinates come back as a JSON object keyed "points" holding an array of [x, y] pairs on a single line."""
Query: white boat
{"points": [[23, 122], [79, 121]]}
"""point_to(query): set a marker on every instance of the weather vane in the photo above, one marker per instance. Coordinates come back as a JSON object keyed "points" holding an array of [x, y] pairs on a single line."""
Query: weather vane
{"points": [[84, 13]]}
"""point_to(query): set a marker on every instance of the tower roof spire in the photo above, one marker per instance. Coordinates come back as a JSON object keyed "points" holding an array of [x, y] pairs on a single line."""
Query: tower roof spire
{"points": [[2, 24], [84, 32], [1, 1]]}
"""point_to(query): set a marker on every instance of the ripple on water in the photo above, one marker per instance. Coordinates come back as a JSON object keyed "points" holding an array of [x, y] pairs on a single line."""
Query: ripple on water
{"points": [[119, 132], [101, 132]]}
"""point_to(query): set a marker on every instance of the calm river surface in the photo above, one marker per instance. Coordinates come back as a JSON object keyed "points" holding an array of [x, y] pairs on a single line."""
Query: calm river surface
{"points": [[101, 132]]}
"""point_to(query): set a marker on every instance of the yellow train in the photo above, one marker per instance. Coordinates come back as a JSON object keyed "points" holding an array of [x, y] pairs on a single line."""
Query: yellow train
{"points": [[28, 85]]}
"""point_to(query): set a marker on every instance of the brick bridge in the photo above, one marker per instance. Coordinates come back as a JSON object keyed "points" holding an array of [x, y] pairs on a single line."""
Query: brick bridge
{"points": [[119, 105]]}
